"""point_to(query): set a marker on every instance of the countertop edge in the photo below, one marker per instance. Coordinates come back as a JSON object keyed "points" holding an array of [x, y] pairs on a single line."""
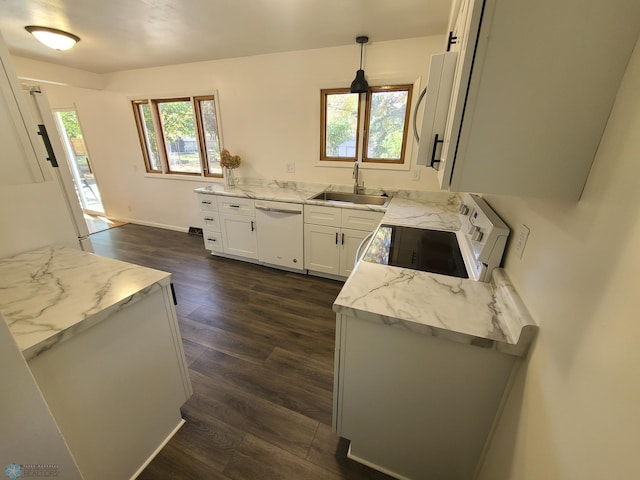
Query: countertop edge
{"points": [[89, 322]]}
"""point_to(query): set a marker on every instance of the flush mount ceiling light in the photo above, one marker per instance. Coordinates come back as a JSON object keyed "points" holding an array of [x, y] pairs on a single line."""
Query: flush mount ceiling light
{"points": [[52, 37], [360, 85]]}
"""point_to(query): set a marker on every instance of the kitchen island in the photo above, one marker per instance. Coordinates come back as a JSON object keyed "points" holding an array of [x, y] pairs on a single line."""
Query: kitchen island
{"points": [[101, 339]]}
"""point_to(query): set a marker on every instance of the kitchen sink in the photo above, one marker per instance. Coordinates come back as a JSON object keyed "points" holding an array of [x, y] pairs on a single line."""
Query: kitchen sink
{"points": [[355, 198]]}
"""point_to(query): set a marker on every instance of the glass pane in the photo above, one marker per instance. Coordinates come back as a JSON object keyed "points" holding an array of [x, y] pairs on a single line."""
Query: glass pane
{"points": [[211, 139], [341, 125], [80, 166], [386, 124], [144, 111], [181, 141]]}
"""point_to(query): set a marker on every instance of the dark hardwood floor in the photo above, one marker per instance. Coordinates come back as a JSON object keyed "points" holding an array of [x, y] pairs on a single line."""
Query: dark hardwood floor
{"points": [[259, 345]]}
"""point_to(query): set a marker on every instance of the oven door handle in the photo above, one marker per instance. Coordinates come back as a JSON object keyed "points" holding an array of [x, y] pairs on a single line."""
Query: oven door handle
{"points": [[364, 240]]}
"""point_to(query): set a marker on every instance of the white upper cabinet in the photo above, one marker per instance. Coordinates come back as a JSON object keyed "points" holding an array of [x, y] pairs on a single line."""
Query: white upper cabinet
{"points": [[534, 84], [19, 162]]}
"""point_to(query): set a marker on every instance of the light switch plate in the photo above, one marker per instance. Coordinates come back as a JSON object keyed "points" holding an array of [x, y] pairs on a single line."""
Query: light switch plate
{"points": [[415, 175], [521, 240], [291, 167]]}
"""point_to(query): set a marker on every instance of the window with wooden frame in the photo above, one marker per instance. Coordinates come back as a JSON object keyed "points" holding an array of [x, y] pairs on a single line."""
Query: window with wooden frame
{"points": [[378, 136], [179, 135]]}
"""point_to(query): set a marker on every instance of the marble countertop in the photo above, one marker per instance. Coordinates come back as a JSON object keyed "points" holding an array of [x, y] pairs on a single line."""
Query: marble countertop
{"points": [[489, 315], [50, 294], [298, 192]]}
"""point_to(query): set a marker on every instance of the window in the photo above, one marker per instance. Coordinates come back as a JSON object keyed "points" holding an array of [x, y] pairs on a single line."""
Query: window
{"points": [[381, 134], [179, 135]]}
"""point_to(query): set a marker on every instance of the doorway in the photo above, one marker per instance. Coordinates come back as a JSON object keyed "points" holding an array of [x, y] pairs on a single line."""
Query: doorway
{"points": [[79, 162]]}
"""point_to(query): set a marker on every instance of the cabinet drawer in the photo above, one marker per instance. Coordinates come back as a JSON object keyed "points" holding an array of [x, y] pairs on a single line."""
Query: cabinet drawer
{"points": [[236, 205], [211, 221], [212, 240], [360, 219], [318, 215], [207, 203]]}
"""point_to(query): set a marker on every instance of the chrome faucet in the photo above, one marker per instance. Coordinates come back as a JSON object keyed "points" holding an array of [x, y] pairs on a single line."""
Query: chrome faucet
{"points": [[358, 186]]}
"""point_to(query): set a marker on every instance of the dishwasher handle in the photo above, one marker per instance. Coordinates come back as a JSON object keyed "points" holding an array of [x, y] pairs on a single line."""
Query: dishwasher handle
{"points": [[364, 240], [278, 210]]}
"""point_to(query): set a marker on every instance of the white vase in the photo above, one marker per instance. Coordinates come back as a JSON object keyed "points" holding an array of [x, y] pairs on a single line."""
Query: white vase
{"points": [[229, 177]]}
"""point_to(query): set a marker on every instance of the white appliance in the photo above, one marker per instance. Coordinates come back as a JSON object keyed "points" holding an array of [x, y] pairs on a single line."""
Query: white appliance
{"points": [[43, 116], [473, 252], [280, 229]]}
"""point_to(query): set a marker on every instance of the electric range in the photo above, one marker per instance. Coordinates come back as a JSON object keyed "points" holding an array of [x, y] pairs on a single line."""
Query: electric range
{"points": [[471, 252]]}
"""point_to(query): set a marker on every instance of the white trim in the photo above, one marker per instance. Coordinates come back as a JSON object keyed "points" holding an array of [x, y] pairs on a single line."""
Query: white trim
{"points": [[157, 450], [409, 154], [374, 466], [177, 176]]}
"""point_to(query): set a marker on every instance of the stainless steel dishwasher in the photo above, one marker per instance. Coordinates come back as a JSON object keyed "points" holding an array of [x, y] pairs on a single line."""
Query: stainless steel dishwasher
{"points": [[280, 229]]}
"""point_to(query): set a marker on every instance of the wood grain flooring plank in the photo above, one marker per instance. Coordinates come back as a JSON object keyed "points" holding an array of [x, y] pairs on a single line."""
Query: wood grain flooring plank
{"points": [[308, 400], [275, 424], [257, 459], [174, 464], [232, 344], [301, 368]]}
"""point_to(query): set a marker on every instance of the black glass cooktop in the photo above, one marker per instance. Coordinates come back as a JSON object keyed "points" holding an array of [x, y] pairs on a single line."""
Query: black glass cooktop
{"points": [[416, 248]]}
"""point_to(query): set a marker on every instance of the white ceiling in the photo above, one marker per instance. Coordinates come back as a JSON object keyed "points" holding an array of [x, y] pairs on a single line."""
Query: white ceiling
{"points": [[126, 34]]}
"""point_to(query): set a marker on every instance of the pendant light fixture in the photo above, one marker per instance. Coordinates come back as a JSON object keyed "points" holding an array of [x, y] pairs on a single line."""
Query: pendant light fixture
{"points": [[52, 37], [360, 85]]}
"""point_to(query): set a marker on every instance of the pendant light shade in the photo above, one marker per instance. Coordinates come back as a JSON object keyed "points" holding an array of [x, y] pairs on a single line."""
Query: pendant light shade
{"points": [[359, 84], [52, 37]]}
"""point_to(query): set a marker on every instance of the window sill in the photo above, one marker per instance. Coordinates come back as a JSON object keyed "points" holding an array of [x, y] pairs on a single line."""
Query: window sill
{"points": [[188, 178]]}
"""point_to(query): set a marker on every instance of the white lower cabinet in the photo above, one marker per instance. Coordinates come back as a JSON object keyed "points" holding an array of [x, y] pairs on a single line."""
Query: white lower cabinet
{"points": [[321, 248], [332, 236], [350, 241], [412, 405], [239, 235]]}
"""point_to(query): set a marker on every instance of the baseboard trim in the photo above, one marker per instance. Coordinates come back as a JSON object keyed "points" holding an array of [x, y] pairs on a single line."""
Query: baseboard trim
{"points": [[157, 450], [355, 458]]}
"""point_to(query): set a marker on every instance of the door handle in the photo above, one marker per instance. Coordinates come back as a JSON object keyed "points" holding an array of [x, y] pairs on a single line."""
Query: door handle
{"points": [[278, 210], [336, 238], [436, 141], [252, 226], [343, 239], [42, 131]]}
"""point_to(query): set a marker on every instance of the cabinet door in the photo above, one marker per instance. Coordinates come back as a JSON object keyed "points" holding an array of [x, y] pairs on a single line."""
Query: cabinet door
{"points": [[239, 235], [322, 248], [349, 242]]}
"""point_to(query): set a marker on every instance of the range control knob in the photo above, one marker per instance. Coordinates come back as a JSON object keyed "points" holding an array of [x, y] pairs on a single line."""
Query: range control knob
{"points": [[464, 210], [477, 234]]}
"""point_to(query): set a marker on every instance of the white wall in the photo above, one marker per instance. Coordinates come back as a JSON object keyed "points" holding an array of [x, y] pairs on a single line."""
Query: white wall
{"points": [[575, 412], [270, 116]]}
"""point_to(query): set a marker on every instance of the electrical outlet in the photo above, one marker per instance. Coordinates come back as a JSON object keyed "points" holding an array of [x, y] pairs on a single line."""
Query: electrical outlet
{"points": [[291, 167], [415, 175], [521, 240]]}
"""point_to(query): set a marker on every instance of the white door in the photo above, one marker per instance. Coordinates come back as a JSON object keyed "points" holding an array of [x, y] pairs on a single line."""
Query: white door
{"points": [[41, 111], [322, 248], [239, 235]]}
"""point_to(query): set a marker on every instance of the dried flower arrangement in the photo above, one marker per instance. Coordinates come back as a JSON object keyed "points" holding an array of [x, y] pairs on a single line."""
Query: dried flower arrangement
{"points": [[229, 161]]}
